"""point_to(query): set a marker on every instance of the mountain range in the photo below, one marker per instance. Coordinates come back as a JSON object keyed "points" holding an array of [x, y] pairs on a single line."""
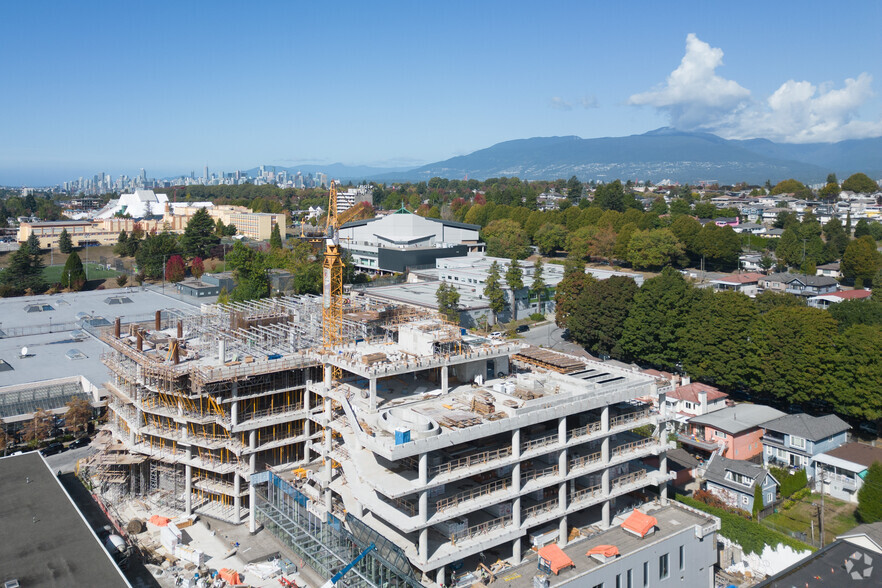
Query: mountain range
{"points": [[657, 155]]}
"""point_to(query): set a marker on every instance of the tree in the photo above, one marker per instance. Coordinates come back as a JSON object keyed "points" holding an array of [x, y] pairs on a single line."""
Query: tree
{"points": [[506, 238], [73, 276], [219, 228], [38, 427], [569, 291], [154, 251], [659, 206], [538, 284], [835, 235], [65, 245], [862, 228], [757, 499], [249, 270], [492, 290], [766, 262], [610, 196], [223, 297], [275, 238], [175, 269], [574, 189], [199, 235], [79, 413], [122, 244], [858, 372], [448, 301], [599, 317], [857, 312], [514, 277], [197, 267], [25, 269], [869, 508], [769, 300], [861, 260], [720, 246], [830, 191], [550, 238], [791, 186], [715, 340], [655, 248], [795, 353], [680, 207], [122, 280], [860, 182], [686, 229], [659, 312]]}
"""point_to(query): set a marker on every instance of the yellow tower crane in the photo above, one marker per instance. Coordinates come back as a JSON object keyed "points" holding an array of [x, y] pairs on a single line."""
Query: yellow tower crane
{"points": [[332, 278]]}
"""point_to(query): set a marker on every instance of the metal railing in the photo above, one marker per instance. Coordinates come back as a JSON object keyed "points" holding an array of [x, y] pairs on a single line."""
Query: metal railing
{"points": [[481, 529], [585, 460], [267, 412], [586, 493], [627, 479], [540, 442], [588, 429], [534, 474], [471, 460], [632, 447], [466, 495], [631, 417], [537, 509]]}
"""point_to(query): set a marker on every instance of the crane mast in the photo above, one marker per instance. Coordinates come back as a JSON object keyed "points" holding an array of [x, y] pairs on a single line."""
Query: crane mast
{"points": [[332, 278]]}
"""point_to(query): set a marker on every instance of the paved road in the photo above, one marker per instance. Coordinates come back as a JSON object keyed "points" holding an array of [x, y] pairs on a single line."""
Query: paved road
{"points": [[66, 461], [551, 336]]}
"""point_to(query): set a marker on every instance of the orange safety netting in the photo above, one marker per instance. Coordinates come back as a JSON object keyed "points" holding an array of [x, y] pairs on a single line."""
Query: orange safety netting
{"points": [[556, 558], [639, 523], [604, 550], [159, 521], [230, 576]]}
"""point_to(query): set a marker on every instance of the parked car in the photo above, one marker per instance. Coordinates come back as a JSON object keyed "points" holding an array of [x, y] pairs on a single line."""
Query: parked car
{"points": [[496, 335], [52, 449], [81, 442], [522, 328]]}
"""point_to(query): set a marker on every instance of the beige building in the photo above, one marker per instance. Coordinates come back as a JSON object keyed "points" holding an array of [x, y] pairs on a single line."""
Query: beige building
{"points": [[253, 225]]}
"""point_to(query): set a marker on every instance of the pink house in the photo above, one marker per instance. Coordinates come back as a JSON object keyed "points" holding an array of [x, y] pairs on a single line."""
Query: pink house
{"points": [[736, 431]]}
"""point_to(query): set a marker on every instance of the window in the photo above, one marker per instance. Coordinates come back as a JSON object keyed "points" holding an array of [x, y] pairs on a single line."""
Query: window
{"points": [[645, 574], [682, 558], [744, 499], [797, 442], [598, 585], [663, 570], [629, 579], [618, 581]]}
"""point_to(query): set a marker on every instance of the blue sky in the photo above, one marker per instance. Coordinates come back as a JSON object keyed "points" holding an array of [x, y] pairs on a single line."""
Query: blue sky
{"points": [[174, 86]]}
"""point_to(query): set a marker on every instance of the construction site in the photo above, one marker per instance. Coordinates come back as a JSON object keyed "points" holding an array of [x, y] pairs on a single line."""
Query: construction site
{"points": [[374, 438]]}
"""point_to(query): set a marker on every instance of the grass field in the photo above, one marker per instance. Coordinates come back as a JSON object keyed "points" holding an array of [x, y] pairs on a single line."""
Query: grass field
{"points": [[839, 517], [52, 274]]}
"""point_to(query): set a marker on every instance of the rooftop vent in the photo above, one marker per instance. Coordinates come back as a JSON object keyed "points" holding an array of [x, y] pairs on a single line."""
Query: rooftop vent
{"points": [[96, 321], [5, 367], [117, 300], [75, 354], [38, 308]]}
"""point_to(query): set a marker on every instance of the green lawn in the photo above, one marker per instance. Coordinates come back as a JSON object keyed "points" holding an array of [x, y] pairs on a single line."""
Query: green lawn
{"points": [[52, 274], [839, 517]]}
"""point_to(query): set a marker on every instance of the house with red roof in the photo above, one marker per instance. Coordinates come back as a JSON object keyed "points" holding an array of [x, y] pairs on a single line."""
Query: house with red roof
{"points": [[746, 283], [691, 399], [826, 300]]}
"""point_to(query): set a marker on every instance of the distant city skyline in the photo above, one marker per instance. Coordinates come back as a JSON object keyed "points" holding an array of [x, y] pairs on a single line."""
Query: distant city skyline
{"points": [[175, 87]]}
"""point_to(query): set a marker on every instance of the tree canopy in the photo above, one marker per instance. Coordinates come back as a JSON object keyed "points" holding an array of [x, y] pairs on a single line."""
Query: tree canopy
{"points": [[199, 235], [73, 276], [860, 182], [447, 297], [65, 245]]}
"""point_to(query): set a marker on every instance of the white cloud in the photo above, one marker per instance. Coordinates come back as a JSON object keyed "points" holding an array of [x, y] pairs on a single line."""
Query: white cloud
{"points": [[588, 101], [694, 95], [696, 98], [559, 103]]}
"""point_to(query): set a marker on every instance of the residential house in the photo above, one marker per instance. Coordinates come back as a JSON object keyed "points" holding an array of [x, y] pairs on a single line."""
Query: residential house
{"points": [[734, 481], [794, 439], [737, 430], [750, 262], [726, 221], [829, 270], [692, 399], [868, 536], [680, 463], [773, 233], [826, 300], [799, 284], [752, 228], [840, 472], [747, 283]]}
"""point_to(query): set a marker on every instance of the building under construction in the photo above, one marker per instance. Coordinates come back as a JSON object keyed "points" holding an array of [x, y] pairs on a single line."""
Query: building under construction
{"points": [[445, 446]]}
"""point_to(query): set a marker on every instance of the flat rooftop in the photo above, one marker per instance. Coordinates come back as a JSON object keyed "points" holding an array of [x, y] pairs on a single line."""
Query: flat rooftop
{"points": [[60, 331], [423, 294], [672, 519], [48, 542]]}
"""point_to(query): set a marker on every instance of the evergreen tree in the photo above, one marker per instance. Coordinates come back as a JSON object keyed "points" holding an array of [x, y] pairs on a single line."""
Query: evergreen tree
{"points": [[599, 317], [538, 284], [154, 251], [199, 235], [514, 277], [566, 299], [25, 269], [122, 244], [73, 276], [869, 508], [493, 291], [275, 238], [448, 301], [65, 245], [219, 228]]}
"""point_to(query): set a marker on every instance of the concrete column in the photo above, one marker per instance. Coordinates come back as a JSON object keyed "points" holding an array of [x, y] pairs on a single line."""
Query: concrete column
{"points": [[516, 443], [188, 490], [663, 468], [252, 501], [424, 544], [307, 422], [444, 382], [440, 576], [605, 515], [562, 462], [516, 512], [329, 375], [373, 394], [328, 500], [252, 460], [424, 468], [562, 430], [516, 477], [604, 450], [139, 418], [604, 482], [424, 507], [562, 532], [237, 500], [604, 419], [234, 409], [516, 551]]}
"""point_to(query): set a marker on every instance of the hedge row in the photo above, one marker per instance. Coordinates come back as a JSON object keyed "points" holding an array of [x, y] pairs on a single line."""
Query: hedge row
{"points": [[790, 483], [751, 536]]}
